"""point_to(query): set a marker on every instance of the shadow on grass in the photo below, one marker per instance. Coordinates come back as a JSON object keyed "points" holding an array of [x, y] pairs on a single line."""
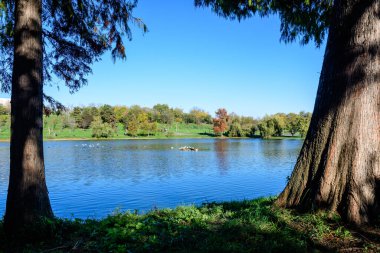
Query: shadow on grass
{"points": [[207, 134]]}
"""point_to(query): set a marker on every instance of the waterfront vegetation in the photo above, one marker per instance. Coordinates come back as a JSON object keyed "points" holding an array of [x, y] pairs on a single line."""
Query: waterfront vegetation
{"points": [[245, 226], [161, 121]]}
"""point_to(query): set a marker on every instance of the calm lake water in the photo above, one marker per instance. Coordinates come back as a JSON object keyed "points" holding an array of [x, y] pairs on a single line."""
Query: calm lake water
{"points": [[93, 178]]}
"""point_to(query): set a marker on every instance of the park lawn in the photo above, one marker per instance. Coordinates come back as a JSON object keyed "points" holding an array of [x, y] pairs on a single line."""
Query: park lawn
{"points": [[239, 226], [55, 131], [164, 131]]}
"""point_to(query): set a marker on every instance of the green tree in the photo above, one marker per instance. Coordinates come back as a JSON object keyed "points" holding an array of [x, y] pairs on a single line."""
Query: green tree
{"points": [[303, 123], [133, 126], [235, 129], [132, 115], [267, 127], [143, 123], [101, 129], [40, 39], [293, 123], [107, 114], [153, 127], [54, 122], [279, 123], [4, 122], [178, 115], [120, 113], [163, 114], [76, 114], [338, 165], [248, 125], [86, 117], [199, 116], [67, 121]]}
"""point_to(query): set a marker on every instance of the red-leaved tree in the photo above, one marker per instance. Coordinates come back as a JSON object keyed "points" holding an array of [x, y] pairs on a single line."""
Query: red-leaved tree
{"points": [[221, 121]]}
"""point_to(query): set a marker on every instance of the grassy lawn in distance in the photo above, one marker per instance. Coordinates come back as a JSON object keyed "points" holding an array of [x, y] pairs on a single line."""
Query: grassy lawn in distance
{"points": [[244, 226], [163, 131], [175, 131]]}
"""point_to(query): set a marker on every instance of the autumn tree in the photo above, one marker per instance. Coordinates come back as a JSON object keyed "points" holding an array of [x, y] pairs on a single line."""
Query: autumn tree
{"points": [[220, 122], [338, 168], [40, 39]]}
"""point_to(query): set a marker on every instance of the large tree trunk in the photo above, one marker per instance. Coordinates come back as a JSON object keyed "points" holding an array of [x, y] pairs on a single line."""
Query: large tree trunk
{"points": [[27, 198], [338, 168]]}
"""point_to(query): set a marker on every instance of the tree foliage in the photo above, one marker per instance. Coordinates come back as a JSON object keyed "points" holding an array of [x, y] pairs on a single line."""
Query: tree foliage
{"points": [[75, 34], [107, 114], [163, 113], [221, 121], [235, 130], [101, 129], [303, 20]]}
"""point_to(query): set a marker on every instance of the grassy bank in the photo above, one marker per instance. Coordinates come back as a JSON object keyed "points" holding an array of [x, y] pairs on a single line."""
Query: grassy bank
{"points": [[246, 226], [163, 132], [174, 131]]}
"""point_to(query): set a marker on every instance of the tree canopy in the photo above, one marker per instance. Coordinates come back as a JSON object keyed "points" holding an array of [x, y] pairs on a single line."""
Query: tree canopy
{"points": [[303, 20], [75, 34]]}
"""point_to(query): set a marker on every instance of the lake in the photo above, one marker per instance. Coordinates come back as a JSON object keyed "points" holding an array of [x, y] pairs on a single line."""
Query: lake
{"points": [[94, 178]]}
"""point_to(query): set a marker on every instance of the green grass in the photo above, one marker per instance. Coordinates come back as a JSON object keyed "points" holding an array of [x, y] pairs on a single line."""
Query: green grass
{"points": [[246, 226], [163, 132]]}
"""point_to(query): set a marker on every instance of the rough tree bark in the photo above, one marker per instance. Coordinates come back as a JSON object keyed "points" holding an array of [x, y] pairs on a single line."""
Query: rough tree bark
{"points": [[27, 192], [338, 168]]}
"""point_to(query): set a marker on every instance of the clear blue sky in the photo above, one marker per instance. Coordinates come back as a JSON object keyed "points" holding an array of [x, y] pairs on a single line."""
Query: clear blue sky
{"points": [[191, 57]]}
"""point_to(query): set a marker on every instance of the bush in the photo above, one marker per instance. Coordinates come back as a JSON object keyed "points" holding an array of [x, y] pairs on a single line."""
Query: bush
{"points": [[267, 128], [235, 130], [100, 129]]}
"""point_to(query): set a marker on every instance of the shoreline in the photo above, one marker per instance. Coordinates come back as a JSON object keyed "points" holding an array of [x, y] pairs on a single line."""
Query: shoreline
{"points": [[161, 138]]}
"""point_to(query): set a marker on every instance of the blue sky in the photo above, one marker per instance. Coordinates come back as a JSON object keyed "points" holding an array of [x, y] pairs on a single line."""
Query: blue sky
{"points": [[191, 57]]}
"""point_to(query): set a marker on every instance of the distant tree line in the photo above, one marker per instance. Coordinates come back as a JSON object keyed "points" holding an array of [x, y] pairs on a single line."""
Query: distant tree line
{"points": [[279, 124], [105, 121], [135, 120]]}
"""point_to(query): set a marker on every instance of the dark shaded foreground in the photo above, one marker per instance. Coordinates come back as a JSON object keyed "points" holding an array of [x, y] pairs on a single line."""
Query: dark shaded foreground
{"points": [[246, 226]]}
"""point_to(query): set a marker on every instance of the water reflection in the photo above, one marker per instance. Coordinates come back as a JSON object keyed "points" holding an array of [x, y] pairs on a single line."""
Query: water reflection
{"points": [[88, 178], [221, 147]]}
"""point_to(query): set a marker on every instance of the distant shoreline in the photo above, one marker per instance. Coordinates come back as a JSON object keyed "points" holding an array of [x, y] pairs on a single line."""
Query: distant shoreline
{"points": [[163, 138], [128, 138]]}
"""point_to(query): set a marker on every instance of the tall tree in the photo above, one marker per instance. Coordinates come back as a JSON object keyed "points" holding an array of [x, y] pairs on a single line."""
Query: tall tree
{"points": [[39, 39], [338, 168]]}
